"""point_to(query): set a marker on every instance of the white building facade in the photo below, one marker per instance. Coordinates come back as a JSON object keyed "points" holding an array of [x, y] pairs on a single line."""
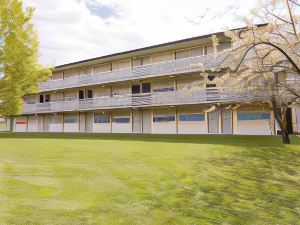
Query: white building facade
{"points": [[153, 90]]}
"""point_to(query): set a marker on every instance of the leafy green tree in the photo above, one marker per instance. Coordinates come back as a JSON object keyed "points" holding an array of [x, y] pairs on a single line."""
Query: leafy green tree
{"points": [[20, 70]]}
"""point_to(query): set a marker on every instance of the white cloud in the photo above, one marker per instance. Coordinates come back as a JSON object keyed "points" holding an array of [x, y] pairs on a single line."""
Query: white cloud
{"points": [[72, 30]]}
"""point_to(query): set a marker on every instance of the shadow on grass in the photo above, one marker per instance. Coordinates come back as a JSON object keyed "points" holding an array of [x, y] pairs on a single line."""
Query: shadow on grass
{"points": [[200, 139]]}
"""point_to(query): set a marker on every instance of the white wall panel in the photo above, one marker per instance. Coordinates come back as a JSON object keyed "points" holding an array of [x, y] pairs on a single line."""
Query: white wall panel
{"points": [[71, 127], [163, 57], [102, 128], [21, 124], [32, 124], [82, 122], [147, 121], [137, 120], [168, 127], [119, 65], [121, 127], [55, 124], [254, 127], [89, 122]]}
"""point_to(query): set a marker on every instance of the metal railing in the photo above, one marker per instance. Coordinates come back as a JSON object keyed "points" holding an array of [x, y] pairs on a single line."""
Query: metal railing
{"points": [[183, 97], [186, 65]]}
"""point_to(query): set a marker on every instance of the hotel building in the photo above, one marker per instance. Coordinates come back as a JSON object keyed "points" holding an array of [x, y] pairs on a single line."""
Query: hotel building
{"points": [[152, 90]]}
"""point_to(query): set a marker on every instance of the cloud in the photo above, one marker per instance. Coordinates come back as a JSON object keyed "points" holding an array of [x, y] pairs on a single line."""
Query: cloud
{"points": [[72, 30]]}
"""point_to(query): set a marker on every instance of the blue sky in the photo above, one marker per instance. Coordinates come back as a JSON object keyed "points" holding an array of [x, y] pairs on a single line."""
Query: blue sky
{"points": [[72, 30]]}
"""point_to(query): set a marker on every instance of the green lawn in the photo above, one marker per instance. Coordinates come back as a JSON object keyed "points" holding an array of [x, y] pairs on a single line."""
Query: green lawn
{"points": [[66, 179]]}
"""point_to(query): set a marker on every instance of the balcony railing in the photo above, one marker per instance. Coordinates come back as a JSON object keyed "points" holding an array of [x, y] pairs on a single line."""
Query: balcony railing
{"points": [[186, 65], [142, 100]]}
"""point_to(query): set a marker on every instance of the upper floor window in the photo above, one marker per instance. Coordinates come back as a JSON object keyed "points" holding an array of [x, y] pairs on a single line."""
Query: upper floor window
{"points": [[140, 61], [194, 52]]}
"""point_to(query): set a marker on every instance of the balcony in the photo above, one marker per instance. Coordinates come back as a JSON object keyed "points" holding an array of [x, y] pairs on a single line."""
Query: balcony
{"points": [[144, 100], [194, 64]]}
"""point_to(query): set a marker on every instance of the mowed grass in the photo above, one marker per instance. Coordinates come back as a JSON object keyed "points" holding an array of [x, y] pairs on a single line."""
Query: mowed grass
{"points": [[66, 179]]}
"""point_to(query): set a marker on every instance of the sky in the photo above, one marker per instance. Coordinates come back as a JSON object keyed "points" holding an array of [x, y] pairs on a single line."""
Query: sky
{"points": [[73, 30]]}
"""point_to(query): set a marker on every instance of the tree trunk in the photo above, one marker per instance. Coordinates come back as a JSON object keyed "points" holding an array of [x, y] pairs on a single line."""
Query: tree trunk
{"points": [[279, 118]]}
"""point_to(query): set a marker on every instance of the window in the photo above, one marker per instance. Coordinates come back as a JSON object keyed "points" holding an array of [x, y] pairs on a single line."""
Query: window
{"points": [[100, 118], [191, 117], [70, 119], [41, 98], [47, 98], [81, 94], [196, 52], [135, 89], [121, 120], [90, 94], [56, 119], [253, 116], [164, 89], [163, 118], [207, 50], [182, 54], [146, 87]]}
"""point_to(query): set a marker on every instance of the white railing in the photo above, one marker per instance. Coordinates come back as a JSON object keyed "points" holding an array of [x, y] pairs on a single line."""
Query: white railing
{"points": [[158, 69], [143, 100]]}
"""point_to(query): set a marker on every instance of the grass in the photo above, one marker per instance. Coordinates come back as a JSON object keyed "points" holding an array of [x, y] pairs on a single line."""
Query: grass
{"points": [[66, 179]]}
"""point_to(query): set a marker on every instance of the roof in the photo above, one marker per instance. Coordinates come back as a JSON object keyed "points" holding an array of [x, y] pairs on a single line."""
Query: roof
{"points": [[139, 50]]}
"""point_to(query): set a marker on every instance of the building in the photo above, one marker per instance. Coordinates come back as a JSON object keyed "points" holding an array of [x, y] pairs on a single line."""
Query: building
{"points": [[157, 89]]}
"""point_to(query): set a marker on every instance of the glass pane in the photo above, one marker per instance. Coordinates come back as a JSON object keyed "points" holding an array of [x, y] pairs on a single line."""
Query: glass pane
{"points": [[192, 117]]}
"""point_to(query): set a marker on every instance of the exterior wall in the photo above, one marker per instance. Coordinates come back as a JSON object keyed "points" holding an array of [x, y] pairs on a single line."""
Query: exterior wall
{"points": [[40, 123], [255, 127], [89, 122], [5, 124], [121, 127], [56, 97], [165, 127], [163, 85], [162, 57], [296, 118], [71, 122], [102, 92], [102, 127], [121, 90], [191, 127], [57, 76], [147, 121], [46, 124], [82, 122], [70, 95], [190, 83], [136, 121], [123, 64], [32, 124], [56, 123], [21, 124]]}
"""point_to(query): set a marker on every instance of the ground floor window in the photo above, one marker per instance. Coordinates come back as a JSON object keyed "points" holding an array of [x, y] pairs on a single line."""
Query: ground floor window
{"points": [[55, 119], [121, 120], [70, 119], [163, 118], [100, 118], [253, 116], [191, 117]]}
